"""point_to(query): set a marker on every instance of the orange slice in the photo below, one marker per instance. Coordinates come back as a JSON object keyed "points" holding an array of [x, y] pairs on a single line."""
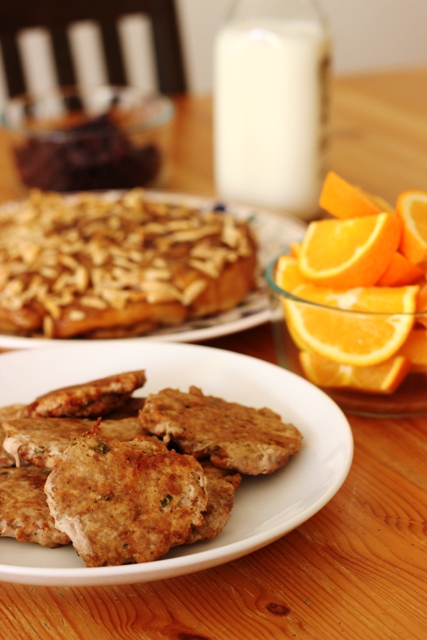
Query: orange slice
{"points": [[349, 253], [415, 350], [361, 327], [400, 272], [411, 206], [422, 297], [344, 200], [422, 305], [379, 378], [295, 248], [288, 274]]}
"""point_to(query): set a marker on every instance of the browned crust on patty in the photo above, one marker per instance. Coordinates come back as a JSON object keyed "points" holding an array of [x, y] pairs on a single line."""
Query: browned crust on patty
{"points": [[233, 436], [125, 502], [129, 409], [220, 486], [9, 412], [42, 441], [87, 400], [24, 513]]}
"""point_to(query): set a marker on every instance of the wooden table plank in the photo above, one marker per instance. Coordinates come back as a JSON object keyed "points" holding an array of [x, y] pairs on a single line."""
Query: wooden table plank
{"points": [[379, 132]]}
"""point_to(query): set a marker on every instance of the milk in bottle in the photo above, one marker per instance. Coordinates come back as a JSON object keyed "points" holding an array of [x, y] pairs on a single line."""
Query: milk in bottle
{"points": [[270, 105]]}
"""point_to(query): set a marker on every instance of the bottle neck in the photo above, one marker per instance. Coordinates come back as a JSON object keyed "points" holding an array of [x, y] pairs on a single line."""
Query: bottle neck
{"points": [[275, 9]]}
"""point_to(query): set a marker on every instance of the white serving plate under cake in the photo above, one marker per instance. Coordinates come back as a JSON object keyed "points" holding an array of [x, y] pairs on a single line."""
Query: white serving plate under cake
{"points": [[274, 231]]}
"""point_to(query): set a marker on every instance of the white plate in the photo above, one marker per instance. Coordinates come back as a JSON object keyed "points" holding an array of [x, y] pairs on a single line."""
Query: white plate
{"points": [[274, 231], [265, 508]]}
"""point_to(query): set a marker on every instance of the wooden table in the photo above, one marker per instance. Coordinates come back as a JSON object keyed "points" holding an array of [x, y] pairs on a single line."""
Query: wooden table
{"points": [[357, 569]]}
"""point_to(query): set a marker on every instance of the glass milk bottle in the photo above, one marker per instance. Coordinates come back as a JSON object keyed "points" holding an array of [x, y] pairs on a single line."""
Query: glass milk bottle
{"points": [[271, 63]]}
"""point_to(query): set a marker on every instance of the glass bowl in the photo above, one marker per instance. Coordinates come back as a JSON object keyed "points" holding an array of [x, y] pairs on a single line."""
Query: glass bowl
{"points": [[403, 390], [78, 139]]}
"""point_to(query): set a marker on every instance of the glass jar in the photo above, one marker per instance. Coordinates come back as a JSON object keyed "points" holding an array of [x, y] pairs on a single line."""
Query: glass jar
{"points": [[271, 71]]}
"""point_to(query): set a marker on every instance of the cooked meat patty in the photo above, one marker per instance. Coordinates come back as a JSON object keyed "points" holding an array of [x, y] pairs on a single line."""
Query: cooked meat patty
{"points": [[10, 411], [6, 460], [88, 400], [233, 436], [220, 486], [125, 502], [24, 513], [130, 409], [120, 429], [7, 413], [42, 441]]}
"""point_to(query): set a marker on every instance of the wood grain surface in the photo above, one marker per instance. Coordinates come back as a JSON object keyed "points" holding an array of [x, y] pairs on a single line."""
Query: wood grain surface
{"points": [[357, 569]]}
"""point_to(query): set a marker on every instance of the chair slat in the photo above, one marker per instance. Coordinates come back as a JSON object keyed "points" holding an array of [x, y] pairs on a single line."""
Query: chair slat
{"points": [[38, 59], [90, 53], [3, 80], [137, 45], [87, 53]]}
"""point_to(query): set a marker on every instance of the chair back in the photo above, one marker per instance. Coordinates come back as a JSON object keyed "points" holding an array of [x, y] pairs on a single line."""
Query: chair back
{"points": [[140, 46]]}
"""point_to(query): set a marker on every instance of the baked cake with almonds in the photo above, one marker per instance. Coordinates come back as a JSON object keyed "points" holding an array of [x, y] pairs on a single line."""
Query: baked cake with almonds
{"points": [[112, 265]]}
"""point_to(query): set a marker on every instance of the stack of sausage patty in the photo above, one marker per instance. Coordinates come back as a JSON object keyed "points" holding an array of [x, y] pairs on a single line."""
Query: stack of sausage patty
{"points": [[125, 479]]}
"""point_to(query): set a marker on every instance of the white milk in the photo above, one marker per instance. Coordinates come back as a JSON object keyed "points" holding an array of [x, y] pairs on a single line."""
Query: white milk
{"points": [[270, 109]]}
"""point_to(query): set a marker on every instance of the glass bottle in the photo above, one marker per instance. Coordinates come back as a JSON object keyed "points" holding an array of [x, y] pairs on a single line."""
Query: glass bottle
{"points": [[271, 63]]}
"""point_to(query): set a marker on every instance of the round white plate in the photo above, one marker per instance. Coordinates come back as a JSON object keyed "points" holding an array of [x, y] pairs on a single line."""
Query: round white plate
{"points": [[274, 231], [266, 507]]}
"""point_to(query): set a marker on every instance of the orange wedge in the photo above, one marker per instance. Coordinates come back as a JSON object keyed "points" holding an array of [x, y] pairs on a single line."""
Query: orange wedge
{"points": [[422, 297], [349, 253], [344, 200], [411, 206], [288, 274], [295, 248], [422, 305], [379, 378], [415, 350], [400, 272], [360, 327]]}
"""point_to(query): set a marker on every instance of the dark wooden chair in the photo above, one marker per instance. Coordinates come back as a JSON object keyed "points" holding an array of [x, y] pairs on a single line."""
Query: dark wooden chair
{"points": [[48, 43]]}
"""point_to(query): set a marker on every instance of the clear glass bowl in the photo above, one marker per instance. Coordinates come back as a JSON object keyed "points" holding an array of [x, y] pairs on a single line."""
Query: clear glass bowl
{"points": [[408, 399], [77, 139]]}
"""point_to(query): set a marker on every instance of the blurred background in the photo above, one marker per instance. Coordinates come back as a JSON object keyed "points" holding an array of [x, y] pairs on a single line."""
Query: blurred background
{"points": [[367, 35]]}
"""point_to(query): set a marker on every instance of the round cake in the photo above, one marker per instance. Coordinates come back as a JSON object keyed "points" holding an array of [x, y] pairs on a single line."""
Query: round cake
{"points": [[117, 264]]}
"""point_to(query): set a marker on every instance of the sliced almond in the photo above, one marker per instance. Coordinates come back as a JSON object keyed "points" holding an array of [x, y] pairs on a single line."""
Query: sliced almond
{"points": [[193, 290]]}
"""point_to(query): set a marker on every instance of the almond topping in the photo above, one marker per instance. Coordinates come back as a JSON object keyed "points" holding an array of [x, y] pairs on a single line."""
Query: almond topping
{"points": [[107, 251], [52, 308], [94, 302], [76, 315], [208, 268], [193, 290], [68, 261], [48, 327], [81, 278], [160, 292]]}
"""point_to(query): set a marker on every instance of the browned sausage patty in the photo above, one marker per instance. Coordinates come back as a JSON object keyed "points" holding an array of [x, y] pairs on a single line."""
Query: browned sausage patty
{"points": [[233, 436], [42, 441], [220, 485], [87, 400], [125, 502], [7, 413], [24, 513]]}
